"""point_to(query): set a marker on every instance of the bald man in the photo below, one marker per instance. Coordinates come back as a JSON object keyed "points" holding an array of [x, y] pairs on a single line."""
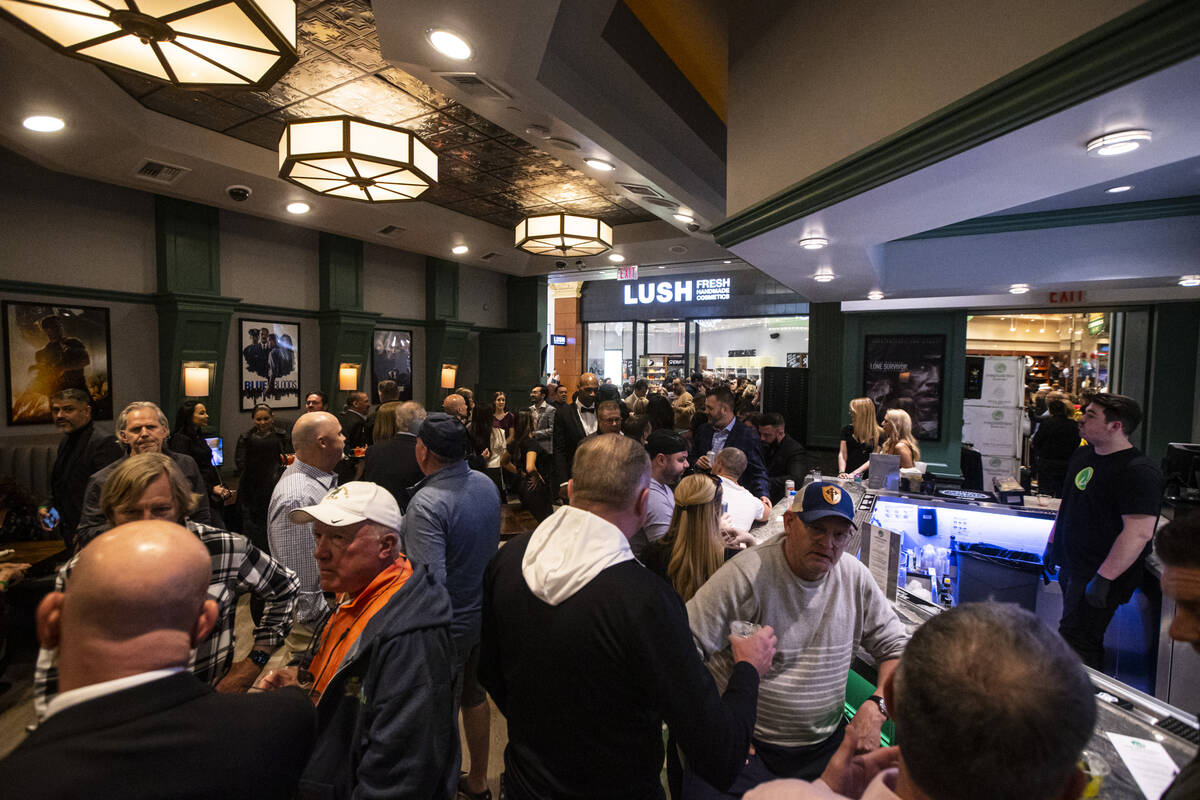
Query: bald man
{"points": [[317, 437], [572, 423], [131, 721], [456, 406]]}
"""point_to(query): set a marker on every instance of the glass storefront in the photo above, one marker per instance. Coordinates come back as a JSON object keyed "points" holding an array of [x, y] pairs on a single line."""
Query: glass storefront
{"points": [[1071, 351]]}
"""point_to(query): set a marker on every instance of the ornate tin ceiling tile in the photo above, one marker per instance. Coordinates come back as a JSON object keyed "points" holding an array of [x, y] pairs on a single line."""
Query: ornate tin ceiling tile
{"points": [[320, 74], [198, 108], [306, 109], [377, 100], [419, 90], [263, 131], [485, 155]]}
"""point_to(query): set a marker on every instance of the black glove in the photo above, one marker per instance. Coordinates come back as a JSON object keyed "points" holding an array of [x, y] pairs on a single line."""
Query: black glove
{"points": [[1097, 591], [1049, 563]]}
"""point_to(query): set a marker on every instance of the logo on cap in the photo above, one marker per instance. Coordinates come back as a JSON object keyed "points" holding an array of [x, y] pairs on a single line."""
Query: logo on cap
{"points": [[832, 494], [335, 493]]}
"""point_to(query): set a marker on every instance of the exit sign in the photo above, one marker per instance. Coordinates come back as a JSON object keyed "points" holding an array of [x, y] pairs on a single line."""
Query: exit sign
{"points": [[1066, 298], [627, 273]]}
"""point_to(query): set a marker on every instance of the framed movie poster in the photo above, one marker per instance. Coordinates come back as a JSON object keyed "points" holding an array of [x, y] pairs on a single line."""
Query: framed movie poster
{"points": [[52, 347], [905, 372], [391, 360], [270, 364]]}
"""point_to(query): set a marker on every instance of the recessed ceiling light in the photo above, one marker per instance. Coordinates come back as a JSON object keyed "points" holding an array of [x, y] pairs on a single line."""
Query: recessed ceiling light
{"points": [[44, 124], [1018, 288], [298, 208], [813, 243], [824, 277], [562, 144], [662, 267], [616, 258], [1115, 144], [1190, 280], [685, 218], [874, 294], [449, 44], [727, 261], [1117, 189], [459, 249], [600, 164]]}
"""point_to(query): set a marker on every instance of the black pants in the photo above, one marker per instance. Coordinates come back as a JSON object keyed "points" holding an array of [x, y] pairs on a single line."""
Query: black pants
{"points": [[1083, 625]]}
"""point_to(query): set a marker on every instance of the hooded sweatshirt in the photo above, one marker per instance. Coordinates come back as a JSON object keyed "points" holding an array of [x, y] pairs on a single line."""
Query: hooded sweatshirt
{"points": [[579, 637]]}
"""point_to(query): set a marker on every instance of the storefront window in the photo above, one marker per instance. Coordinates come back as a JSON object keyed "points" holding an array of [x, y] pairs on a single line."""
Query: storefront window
{"points": [[665, 352], [610, 350], [1070, 352], [742, 347]]}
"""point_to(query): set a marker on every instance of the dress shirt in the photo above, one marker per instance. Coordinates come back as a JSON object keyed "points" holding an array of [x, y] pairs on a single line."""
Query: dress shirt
{"points": [[720, 437], [238, 568], [587, 416], [92, 691], [292, 543], [538, 410]]}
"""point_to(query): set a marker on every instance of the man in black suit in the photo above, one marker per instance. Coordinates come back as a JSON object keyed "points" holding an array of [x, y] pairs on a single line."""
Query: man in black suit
{"points": [[84, 450], [723, 430], [572, 423], [354, 427], [392, 463], [131, 721], [784, 456]]}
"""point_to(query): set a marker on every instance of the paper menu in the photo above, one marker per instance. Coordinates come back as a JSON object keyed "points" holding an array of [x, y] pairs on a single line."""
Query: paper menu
{"points": [[1148, 762]]}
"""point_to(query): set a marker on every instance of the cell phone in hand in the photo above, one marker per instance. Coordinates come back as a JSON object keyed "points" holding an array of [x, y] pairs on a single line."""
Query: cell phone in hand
{"points": [[49, 521]]}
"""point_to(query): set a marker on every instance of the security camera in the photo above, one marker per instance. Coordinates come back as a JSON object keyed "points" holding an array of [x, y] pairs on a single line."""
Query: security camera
{"points": [[238, 193], [692, 227], [579, 263], [560, 264]]}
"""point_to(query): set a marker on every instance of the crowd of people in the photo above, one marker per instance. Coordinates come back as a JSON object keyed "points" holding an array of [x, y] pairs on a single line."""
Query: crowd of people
{"points": [[386, 610]]}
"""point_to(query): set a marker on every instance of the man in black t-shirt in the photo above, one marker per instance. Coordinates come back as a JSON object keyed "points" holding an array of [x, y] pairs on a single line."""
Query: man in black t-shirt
{"points": [[1102, 534]]}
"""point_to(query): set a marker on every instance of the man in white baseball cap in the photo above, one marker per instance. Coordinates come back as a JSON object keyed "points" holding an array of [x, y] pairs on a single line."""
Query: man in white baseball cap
{"points": [[382, 678]]}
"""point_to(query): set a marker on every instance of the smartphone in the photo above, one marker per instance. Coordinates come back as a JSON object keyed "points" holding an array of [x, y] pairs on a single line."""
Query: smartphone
{"points": [[50, 521]]}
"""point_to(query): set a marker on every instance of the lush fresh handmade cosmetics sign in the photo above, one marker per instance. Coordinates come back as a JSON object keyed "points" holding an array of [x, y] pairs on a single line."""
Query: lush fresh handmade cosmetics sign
{"points": [[745, 293]]}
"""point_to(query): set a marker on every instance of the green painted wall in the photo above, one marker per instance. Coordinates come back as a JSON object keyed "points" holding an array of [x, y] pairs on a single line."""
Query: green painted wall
{"points": [[826, 410], [1170, 406], [951, 324]]}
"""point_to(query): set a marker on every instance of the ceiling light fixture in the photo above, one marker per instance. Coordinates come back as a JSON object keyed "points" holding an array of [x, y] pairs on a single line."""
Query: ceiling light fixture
{"points": [[459, 249], [1190, 280], [1119, 143], [825, 275], [600, 164], [246, 44], [43, 124], [298, 208], [1018, 288], [687, 219], [449, 44], [563, 235], [727, 261], [874, 294], [616, 258], [813, 243], [1117, 189], [356, 159]]}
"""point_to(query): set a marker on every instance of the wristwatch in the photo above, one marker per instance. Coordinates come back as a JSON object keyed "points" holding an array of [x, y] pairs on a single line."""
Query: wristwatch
{"points": [[877, 700], [259, 657]]}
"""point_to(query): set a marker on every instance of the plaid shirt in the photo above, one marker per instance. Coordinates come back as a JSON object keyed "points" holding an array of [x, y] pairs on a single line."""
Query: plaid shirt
{"points": [[291, 543], [238, 567]]}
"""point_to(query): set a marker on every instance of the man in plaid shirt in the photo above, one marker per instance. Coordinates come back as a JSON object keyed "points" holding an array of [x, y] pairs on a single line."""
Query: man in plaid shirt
{"points": [[150, 486]]}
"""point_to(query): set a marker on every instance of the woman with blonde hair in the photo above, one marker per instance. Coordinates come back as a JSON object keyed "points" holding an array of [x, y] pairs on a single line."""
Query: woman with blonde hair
{"points": [[897, 426], [860, 438]]}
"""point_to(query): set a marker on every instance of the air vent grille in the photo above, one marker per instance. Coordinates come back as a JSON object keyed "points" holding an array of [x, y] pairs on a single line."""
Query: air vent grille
{"points": [[661, 202], [158, 172], [474, 85], [391, 230], [639, 190], [488, 257]]}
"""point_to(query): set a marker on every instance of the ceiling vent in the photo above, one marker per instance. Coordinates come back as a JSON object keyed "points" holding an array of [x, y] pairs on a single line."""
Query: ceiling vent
{"points": [[391, 230], [488, 257], [661, 202], [639, 190], [474, 85], [166, 174]]}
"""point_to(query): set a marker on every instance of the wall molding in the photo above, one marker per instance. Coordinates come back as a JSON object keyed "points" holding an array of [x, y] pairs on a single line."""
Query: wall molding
{"points": [[1066, 218], [1138, 43]]}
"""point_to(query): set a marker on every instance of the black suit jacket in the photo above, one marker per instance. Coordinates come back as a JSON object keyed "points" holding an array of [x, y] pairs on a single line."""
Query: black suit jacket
{"points": [[392, 464], [174, 737], [77, 459], [784, 460], [568, 433], [354, 428], [754, 478]]}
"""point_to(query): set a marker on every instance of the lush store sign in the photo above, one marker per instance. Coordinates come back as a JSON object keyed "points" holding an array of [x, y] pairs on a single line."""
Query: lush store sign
{"points": [[700, 290]]}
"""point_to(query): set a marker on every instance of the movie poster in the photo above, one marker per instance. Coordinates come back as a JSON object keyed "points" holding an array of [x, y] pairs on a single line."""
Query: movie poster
{"points": [[392, 361], [905, 372], [50, 348], [270, 364]]}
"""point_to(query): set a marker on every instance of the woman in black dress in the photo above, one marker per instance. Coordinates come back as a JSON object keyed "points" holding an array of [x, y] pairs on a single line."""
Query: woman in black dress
{"points": [[859, 439], [529, 464], [260, 458], [189, 439]]}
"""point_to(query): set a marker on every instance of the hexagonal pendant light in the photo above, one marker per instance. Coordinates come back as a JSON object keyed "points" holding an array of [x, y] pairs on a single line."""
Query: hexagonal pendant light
{"points": [[356, 159], [563, 235], [191, 43]]}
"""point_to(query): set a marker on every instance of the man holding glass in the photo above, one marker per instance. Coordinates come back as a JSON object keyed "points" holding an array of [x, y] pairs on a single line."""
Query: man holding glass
{"points": [[825, 607]]}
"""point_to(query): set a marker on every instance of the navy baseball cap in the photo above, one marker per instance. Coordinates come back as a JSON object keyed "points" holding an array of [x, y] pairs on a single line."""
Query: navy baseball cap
{"points": [[822, 499], [444, 435]]}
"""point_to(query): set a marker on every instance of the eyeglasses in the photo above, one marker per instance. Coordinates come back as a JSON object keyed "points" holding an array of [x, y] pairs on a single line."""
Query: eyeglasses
{"points": [[839, 539]]}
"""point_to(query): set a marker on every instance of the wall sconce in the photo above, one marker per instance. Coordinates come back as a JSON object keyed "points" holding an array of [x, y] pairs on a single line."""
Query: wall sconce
{"points": [[348, 377], [197, 378], [449, 375]]}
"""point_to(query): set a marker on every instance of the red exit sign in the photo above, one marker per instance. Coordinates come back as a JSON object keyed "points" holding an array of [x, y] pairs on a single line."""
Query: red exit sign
{"points": [[627, 273], [1066, 298]]}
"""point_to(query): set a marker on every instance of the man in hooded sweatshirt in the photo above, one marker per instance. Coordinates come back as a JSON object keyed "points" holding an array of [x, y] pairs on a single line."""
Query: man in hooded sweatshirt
{"points": [[587, 653]]}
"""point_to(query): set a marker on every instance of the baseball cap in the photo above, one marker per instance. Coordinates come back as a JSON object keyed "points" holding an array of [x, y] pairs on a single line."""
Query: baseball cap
{"points": [[665, 442], [350, 504], [822, 499], [444, 435]]}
